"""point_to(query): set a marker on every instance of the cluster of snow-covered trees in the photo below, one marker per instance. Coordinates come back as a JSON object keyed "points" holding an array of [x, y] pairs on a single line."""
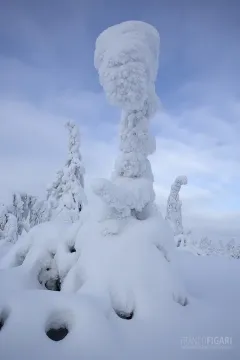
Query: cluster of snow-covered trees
{"points": [[16, 218], [207, 246], [64, 200], [184, 238]]}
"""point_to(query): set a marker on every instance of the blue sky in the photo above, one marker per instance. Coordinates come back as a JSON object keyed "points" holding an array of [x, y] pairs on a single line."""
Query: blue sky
{"points": [[47, 76]]}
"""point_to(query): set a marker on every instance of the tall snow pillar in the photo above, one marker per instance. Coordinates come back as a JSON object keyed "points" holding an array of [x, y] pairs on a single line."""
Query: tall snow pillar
{"points": [[126, 57]]}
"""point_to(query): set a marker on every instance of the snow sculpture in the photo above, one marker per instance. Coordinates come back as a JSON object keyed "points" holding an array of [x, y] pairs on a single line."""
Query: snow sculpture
{"points": [[127, 71], [174, 205], [66, 195]]}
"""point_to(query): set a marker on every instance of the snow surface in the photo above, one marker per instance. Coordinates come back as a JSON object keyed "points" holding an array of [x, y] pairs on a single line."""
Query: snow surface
{"points": [[134, 283]]}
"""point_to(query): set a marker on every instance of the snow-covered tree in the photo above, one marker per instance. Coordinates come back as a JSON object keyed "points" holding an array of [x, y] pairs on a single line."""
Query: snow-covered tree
{"points": [[66, 195], [3, 220], [206, 246], [230, 247], [10, 232], [127, 71], [174, 207], [233, 249], [39, 212], [20, 208]]}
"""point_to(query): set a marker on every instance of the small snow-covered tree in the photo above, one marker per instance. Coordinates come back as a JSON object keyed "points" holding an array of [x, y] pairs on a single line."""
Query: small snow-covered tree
{"points": [[233, 249], [220, 248], [39, 213], [174, 207], [8, 225], [127, 71], [3, 220], [20, 208], [10, 232], [231, 245], [206, 246], [66, 195]]}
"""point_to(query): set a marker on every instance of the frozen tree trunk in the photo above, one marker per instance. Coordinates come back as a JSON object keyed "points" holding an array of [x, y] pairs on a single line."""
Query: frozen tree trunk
{"points": [[174, 207], [127, 71]]}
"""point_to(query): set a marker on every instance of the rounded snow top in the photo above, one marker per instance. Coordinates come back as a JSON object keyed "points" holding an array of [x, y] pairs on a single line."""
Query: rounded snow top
{"points": [[182, 179], [126, 57]]}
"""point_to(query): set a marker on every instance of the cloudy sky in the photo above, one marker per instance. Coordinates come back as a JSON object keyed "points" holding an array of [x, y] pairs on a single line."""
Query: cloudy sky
{"points": [[47, 77]]}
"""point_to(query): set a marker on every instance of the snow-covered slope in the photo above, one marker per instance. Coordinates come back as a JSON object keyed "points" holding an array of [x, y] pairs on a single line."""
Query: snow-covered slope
{"points": [[138, 287]]}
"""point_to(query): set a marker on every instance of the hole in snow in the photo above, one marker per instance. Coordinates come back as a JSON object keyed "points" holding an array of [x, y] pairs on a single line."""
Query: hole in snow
{"points": [[124, 315], [59, 324], [57, 334], [53, 284], [181, 300], [3, 317], [72, 249], [49, 278]]}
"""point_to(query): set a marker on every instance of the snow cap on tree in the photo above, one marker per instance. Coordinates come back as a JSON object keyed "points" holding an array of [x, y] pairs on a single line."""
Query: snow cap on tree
{"points": [[128, 67]]}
